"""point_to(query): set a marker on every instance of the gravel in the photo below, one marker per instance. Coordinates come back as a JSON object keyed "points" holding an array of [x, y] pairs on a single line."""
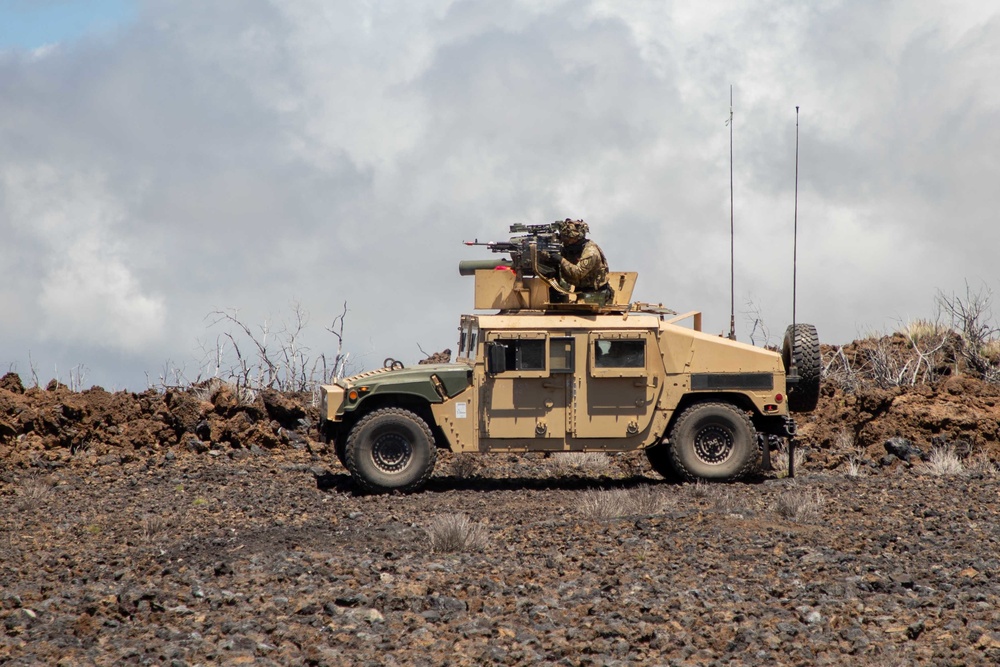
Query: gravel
{"points": [[272, 559]]}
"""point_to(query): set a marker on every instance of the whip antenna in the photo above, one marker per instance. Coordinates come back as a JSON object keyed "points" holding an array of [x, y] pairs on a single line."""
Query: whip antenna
{"points": [[732, 228], [795, 237], [793, 371]]}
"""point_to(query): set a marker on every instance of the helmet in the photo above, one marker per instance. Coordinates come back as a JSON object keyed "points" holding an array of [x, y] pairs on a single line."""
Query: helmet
{"points": [[573, 231]]}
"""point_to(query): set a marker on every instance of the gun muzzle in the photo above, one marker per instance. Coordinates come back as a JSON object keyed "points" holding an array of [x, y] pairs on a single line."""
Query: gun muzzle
{"points": [[468, 267]]}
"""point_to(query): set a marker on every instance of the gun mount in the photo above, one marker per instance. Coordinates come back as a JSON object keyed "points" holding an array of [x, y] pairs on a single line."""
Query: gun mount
{"points": [[529, 279]]}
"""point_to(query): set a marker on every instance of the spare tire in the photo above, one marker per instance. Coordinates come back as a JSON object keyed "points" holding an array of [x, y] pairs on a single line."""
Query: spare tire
{"points": [[803, 344]]}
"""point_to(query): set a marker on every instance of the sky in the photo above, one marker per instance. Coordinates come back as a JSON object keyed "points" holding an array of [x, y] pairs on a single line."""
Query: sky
{"points": [[163, 164], [31, 24]]}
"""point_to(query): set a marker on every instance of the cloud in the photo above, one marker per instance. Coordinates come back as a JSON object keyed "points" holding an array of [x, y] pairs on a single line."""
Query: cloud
{"points": [[93, 298], [201, 159], [79, 276]]}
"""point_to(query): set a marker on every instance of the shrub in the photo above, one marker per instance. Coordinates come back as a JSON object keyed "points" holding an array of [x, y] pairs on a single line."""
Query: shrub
{"points": [[972, 318], [455, 532]]}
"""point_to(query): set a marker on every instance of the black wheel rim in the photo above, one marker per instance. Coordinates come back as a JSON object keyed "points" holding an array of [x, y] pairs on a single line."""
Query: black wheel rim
{"points": [[391, 452], [714, 444]]}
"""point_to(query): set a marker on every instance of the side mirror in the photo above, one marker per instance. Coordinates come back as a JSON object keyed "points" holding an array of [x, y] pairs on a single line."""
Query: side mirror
{"points": [[496, 358]]}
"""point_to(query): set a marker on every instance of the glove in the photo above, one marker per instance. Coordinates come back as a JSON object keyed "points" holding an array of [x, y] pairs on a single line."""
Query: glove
{"points": [[550, 256]]}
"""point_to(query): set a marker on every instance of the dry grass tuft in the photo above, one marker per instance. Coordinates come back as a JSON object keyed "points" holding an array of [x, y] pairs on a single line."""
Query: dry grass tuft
{"points": [[944, 461], [455, 532], [844, 441], [980, 462], [700, 489], [7, 543], [725, 498], [922, 331], [582, 461], [604, 504], [32, 493], [35, 489], [210, 390], [153, 525], [799, 504], [464, 466], [990, 350], [646, 500], [779, 460], [854, 467], [728, 501]]}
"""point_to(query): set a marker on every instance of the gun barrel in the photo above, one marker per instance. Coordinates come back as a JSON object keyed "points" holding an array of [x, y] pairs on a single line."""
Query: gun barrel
{"points": [[468, 267]]}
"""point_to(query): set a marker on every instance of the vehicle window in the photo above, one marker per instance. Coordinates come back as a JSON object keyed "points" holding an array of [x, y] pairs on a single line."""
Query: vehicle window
{"points": [[524, 354], [619, 354]]}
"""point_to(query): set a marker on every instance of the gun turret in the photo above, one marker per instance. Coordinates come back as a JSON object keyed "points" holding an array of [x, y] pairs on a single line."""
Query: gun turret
{"points": [[530, 280]]}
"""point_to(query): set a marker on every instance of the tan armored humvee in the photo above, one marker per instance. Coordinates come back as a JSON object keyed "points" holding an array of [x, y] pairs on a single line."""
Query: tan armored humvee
{"points": [[538, 376]]}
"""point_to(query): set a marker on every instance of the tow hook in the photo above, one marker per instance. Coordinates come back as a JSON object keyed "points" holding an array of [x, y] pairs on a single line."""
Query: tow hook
{"points": [[790, 427]]}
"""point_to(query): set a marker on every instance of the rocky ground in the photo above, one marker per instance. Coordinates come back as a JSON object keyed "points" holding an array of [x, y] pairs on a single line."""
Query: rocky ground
{"points": [[201, 527]]}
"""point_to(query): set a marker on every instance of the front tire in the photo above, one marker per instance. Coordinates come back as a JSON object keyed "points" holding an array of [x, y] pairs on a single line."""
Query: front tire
{"points": [[660, 460], [390, 450], [714, 442]]}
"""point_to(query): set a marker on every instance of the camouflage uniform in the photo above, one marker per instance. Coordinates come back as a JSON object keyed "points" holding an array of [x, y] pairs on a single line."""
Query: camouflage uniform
{"points": [[583, 264]]}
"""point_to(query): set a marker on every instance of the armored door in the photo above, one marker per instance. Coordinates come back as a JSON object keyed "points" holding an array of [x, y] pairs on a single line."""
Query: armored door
{"points": [[524, 390], [617, 388]]}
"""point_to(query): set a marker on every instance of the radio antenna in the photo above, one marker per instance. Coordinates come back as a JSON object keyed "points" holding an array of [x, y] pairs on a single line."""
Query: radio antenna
{"points": [[793, 370], [795, 237], [732, 228]]}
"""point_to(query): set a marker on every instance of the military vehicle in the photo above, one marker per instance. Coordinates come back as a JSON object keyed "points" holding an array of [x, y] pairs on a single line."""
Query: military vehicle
{"points": [[549, 370]]}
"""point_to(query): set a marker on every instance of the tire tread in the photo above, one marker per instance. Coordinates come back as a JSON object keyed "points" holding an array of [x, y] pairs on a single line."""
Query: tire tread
{"points": [[804, 396], [751, 466], [350, 453]]}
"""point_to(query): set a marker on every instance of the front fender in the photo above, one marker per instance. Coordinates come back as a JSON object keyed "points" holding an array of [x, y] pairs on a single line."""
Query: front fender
{"points": [[427, 384]]}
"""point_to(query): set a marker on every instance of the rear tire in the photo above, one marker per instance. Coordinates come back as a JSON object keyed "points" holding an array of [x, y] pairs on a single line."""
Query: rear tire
{"points": [[804, 396], [714, 442], [390, 450]]}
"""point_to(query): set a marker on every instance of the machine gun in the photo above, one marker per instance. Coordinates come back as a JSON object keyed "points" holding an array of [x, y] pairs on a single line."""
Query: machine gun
{"points": [[534, 251]]}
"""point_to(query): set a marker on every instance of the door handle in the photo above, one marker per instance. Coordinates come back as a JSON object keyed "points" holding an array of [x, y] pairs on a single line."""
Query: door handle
{"points": [[548, 385]]}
